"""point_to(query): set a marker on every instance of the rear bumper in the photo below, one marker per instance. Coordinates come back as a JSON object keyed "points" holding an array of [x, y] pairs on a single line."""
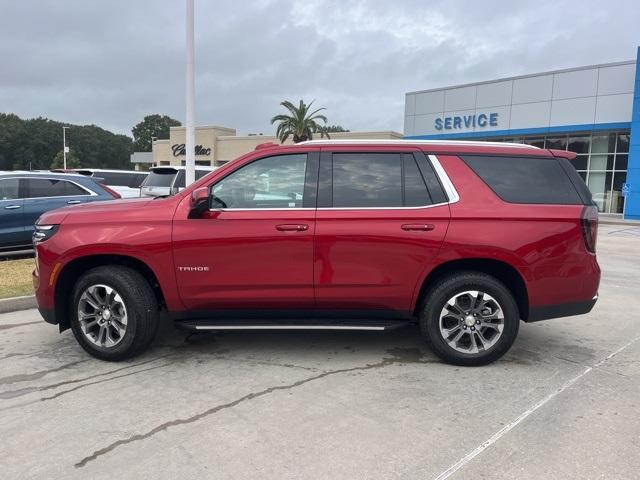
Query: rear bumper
{"points": [[562, 310]]}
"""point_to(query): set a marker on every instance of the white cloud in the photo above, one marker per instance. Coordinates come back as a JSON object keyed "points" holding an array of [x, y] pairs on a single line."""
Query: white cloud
{"points": [[110, 63]]}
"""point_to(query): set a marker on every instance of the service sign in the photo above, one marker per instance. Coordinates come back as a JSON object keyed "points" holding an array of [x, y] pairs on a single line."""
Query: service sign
{"points": [[460, 122]]}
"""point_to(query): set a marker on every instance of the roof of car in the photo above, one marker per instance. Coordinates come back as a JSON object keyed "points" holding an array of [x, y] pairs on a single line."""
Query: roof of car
{"points": [[182, 167], [437, 147], [109, 170], [41, 174]]}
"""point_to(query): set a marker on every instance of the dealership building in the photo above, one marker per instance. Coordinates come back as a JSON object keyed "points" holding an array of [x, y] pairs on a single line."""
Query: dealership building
{"points": [[593, 111], [215, 146]]}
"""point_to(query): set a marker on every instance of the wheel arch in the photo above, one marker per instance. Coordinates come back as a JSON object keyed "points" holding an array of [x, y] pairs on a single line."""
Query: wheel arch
{"points": [[72, 271], [506, 273]]}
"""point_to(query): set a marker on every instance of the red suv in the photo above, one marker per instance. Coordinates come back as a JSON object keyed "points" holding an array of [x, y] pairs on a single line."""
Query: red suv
{"points": [[464, 238]]}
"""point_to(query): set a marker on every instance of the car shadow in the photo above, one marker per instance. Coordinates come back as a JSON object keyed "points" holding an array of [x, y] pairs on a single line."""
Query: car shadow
{"points": [[534, 345]]}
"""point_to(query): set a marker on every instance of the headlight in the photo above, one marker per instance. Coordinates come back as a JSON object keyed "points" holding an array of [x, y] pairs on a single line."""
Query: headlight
{"points": [[44, 232]]}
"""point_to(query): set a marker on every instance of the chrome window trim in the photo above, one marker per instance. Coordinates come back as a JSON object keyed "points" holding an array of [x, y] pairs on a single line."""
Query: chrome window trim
{"points": [[385, 208], [447, 184], [89, 193]]}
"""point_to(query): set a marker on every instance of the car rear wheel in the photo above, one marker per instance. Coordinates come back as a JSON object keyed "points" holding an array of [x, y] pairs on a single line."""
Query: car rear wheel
{"points": [[469, 318], [114, 313]]}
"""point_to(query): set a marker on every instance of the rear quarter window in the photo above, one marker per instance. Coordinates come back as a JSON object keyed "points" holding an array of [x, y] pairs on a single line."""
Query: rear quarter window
{"points": [[525, 179]]}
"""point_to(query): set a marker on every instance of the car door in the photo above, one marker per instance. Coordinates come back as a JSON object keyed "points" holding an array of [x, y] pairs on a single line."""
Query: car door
{"points": [[43, 194], [12, 231], [253, 250], [382, 217]]}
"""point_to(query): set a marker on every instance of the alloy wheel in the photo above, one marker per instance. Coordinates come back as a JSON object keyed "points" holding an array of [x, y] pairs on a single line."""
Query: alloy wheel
{"points": [[471, 321], [102, 315]]}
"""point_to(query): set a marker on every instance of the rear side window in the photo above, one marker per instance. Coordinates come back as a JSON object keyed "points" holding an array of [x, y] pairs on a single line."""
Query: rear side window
{"points": [[51, 187], [525, 179], [121, 179], [415, 189], [382, 180], [367, 180], [9, 188]]}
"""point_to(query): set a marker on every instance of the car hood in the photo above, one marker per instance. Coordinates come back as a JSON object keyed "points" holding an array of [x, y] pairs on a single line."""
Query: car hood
{"points": [[92, 208]]}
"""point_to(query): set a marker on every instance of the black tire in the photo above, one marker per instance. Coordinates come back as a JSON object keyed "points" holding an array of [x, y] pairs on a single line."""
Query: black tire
{"points": [[141, 308], [447, 288]]}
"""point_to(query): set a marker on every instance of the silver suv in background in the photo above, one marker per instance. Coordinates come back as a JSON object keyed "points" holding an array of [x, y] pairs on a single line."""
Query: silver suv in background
{"points": [[126, 182], [168, 180]]}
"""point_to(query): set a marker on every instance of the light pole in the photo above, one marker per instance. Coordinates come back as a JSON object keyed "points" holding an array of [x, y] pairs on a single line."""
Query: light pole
{"points": [[190, 160], [65, 149], [153, 139]]}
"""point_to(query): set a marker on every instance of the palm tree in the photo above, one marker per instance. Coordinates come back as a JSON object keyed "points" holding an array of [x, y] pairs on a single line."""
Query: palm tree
{"points": [[300, 123]]}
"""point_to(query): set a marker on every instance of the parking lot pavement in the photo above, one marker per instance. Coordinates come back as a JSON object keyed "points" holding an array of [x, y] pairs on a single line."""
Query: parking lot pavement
{"points": [[563, 403]]}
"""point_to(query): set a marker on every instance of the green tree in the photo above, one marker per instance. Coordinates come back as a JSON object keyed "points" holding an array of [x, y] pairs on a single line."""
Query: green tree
{"points": [[335, 128], [31, 144], [152, 126], [72, 160], [300, 122]]}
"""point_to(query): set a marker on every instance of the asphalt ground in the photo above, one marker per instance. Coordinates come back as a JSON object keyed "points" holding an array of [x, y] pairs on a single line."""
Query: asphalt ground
{"points": [[563, 403]]}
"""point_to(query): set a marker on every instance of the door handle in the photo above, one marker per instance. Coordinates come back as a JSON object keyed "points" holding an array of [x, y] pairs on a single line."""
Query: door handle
{"points": [[422, 227], [292, 228], [72, 202], [12, 207]]}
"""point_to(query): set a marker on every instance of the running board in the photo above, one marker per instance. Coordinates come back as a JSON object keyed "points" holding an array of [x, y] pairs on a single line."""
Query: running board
{"points": [[316, 324]]}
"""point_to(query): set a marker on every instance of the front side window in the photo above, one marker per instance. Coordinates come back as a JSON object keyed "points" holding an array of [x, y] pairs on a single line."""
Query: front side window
{"points": [[272, 182], [9, 188], [51, 187]]}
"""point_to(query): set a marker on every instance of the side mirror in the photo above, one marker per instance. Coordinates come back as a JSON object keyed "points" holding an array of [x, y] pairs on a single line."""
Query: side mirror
{"points": [[199, 196]]}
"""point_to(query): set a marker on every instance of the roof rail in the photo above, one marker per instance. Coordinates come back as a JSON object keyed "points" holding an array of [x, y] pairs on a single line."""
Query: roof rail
{"points": [[420, 142]]}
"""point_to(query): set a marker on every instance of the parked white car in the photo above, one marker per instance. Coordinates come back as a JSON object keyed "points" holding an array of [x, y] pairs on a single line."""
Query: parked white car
{"points": [[168, 180], [126, 182]]}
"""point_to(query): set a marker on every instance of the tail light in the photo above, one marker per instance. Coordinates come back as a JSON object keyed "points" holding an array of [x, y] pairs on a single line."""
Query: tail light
{"points": [[589, 223], [111, 191]]}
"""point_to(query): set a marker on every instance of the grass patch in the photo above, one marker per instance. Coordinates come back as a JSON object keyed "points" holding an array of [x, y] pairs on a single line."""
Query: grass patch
{"points": [[15, 278]]}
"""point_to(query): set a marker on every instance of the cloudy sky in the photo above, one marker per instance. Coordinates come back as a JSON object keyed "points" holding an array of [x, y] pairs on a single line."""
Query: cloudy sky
{"points": [[112, 62]]}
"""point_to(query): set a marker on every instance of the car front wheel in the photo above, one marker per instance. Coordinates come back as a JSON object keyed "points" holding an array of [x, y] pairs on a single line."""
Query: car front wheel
{"points": [[114, 313]]}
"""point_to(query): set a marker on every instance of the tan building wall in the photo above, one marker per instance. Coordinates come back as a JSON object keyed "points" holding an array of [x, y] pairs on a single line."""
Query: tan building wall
{"points": [[217, 145]]}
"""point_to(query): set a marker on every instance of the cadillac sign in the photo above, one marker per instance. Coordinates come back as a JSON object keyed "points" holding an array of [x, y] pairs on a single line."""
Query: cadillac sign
{"points": [[178, 149]]}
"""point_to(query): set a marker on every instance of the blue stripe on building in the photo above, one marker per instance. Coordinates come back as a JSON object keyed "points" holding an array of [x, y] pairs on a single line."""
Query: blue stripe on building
{"points": [[593, 127], [632, 202]]}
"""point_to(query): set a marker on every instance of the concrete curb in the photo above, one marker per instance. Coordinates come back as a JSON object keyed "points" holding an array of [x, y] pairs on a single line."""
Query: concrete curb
{"points": [[611, 221], [17, 303]]}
